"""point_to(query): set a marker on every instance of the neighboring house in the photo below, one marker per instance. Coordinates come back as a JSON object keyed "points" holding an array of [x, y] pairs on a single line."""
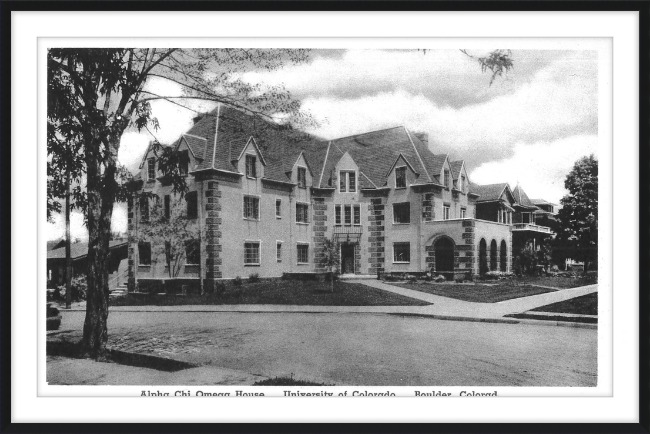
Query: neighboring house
{"points": [[528, 219], [78, 255], [266, 204]]}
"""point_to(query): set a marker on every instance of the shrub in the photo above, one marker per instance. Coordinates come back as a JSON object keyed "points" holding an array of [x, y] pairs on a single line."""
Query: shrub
{"points": [[334, 275], [78, 289], [411, 278], [220, 287], [439, 278], [237, 281], [253, 278], [498, 275]]}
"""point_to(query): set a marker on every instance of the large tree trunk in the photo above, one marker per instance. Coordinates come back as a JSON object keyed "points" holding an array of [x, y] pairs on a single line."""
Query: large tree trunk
{"points": [[101, 196]]}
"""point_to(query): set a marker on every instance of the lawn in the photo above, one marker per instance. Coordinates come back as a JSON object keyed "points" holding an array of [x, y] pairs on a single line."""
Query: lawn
{"points": [[584, 305], [479, 293], [279, 292], [557, 282]]}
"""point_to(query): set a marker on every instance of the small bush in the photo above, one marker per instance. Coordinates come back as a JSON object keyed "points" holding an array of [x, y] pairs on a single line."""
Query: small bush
{"points": [[329, 276], [439, 278], [411, 278], [237, 281], [498, 275], [254, 278], [78, 289], [219, 288]]}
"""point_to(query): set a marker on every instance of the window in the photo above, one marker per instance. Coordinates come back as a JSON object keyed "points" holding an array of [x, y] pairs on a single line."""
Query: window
{"points": [[427, 207], [447, 178], [184, 160], [278, 208], [357, 215], [462, 184], [192, 252], [302, 212], [252, 253], [302, 177], [250, 166], [402, 212], [463, 212], [303, 254], [144, 253], [192, 206], [400, 177], [144, 208], [337, 210], [401, 252], [167, 202], [445, 212], [251, 207], [348, 215], [526, 217], [151, 169], [278, 251], [347, 182]]}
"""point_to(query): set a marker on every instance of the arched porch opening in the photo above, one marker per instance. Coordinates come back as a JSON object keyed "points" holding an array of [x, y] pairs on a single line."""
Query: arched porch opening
{"points": [[493, 255], [482, 257], [503, 257], [444, 250]]}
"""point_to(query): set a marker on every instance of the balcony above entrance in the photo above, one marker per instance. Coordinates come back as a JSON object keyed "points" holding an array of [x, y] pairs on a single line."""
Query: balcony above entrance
{"points": [[518, 227], [347, 234]]}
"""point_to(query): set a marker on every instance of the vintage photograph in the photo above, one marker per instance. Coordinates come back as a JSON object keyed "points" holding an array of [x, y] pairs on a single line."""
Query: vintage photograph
{"points": [[322, 217]]}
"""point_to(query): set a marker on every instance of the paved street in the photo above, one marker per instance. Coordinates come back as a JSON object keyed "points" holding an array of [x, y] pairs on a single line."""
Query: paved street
{"points": [[361, 349]]}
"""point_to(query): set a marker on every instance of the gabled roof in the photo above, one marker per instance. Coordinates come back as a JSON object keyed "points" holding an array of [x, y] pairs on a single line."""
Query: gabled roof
{"points": [[521, 198], [542, 202], [375, 153], [195, 144], [79, 250], [395, 163], [456, 167], [490, 192]]}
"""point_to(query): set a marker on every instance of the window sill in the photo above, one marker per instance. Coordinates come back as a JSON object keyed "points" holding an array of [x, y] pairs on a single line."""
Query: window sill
{"points": [[302, 263], [302, 223], [402, 262], [250, 219], [278, 217], [401, 224], [251, 177], [400, 188], [252, 265]]}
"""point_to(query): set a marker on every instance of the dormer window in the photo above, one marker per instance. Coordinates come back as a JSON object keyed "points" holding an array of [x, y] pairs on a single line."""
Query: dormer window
{"points": [[151, 169], [347, 182], [302, 177], [251, 171], [400, 177]]}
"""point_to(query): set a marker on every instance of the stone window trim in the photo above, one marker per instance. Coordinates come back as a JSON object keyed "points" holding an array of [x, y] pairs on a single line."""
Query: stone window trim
{"points": [[302, 177], [402, 213], [278, 208], [252, 253], [278, 250], [401, 252], [302, 213], [446, 210], [251, 166], [302, 253], [400, 177], [463, 212], [347, 181], [251, 207]]}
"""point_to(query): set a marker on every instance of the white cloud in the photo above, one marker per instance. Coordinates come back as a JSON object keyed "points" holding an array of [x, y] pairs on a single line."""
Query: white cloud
{"points": [[56, 230], [540, 168]]}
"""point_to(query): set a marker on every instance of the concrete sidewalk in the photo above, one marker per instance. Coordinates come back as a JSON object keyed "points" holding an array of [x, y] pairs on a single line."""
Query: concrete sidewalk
{"points": [[441, 307]]}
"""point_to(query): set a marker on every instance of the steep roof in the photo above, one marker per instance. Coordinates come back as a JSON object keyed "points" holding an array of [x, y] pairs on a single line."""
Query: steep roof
{"points": [[456, 166], [489, 192], [542, 202], [376, 151], [79, 250], [521, 198]]}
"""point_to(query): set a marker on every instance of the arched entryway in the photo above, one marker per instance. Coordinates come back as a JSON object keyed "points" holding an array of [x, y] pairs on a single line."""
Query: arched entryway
{"points": [[503, 257], [482, 257], [444, 248], [493, 255]]}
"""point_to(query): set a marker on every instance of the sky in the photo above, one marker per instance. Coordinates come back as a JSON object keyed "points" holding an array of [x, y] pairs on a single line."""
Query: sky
{"points": [[528, 127]]}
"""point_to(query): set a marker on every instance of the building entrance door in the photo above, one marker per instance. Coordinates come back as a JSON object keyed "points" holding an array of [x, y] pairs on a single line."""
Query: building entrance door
{"points": [[347, 258]]}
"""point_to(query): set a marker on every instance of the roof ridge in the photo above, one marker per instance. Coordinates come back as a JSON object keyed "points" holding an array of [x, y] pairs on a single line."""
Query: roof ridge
{"points": [[216, 133], [320, 180], [367, 132], [408, 134], [195, 136]]}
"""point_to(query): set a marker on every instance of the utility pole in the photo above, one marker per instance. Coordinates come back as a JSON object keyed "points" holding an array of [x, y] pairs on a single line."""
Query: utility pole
{"points": [[68, 260]]}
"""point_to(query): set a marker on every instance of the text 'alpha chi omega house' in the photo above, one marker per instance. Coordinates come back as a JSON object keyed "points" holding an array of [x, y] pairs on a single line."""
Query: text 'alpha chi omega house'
{"points": [[264, 203]]}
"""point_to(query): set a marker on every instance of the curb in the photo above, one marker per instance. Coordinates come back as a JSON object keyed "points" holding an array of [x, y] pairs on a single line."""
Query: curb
{"points": [[458, 318]]}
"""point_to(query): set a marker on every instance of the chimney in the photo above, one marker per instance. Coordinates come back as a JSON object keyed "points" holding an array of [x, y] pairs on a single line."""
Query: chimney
{"points": [[424, 138], [198, 118]]}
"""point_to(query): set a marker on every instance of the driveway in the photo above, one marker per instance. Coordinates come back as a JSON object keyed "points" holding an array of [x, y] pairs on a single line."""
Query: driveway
{"points": [[360, 349]]}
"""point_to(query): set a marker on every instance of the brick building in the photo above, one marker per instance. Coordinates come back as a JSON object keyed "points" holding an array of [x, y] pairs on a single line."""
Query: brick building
{"points": [[264, 201]]}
